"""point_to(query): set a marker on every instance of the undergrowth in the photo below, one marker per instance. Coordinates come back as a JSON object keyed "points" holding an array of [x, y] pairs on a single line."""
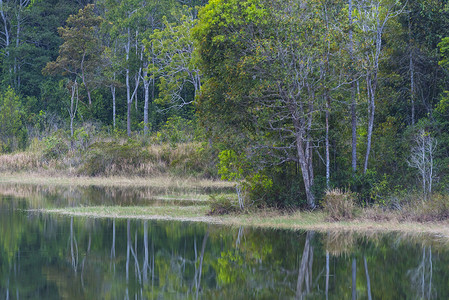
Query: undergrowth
{"points": [[111, 156]]}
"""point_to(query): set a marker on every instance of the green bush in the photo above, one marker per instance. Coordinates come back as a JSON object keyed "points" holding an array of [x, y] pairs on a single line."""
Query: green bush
{"points": [[13, 135], [285, 188], [339, 205], [177, 130], [54, 146], [221, 205]]}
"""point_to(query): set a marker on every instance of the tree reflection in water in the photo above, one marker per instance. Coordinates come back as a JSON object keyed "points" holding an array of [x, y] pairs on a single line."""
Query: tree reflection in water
{"points": [[54, 257]]}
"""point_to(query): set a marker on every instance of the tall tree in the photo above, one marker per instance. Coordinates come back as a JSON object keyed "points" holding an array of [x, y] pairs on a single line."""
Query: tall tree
{"points": [[175, 62], [133, 21], [81, 53], [372, 19], [353, 89], [268, 67], [11, 121]]}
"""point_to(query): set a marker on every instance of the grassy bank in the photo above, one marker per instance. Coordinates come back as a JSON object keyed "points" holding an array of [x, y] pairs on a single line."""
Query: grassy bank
{"points": [[106, 157], [77, 191], [317, 221], [35, 178]]}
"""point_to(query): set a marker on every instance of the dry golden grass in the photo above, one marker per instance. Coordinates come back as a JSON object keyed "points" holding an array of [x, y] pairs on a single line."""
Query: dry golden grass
{"points": [[155, 160], [339, 205], [20, 161], [113, 181]]}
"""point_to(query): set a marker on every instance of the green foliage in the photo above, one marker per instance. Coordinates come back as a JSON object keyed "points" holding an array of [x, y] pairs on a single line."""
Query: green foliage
{"points": [[222, 205], [369, 187], [177, 130], [444, 50], [175, 63], [231, 166], [259, 188], [55, 146], [249, 61], [380, 190], [81, 52], [13, 135]]}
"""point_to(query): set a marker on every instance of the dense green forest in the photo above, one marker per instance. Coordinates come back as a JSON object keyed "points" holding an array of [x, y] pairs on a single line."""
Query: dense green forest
{"points": [[287, 98]]}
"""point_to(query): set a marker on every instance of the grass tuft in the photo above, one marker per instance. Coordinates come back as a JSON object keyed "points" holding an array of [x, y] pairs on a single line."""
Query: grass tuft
{"points": [[339, 205]]}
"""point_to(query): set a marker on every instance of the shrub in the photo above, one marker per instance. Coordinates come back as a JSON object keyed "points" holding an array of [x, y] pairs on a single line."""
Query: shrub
{"points": [[339, 205], [189, 159], [259, 187], [176, 130], [113, 158], [54, 146], [434, 209], [221, 205], [13, 135]]}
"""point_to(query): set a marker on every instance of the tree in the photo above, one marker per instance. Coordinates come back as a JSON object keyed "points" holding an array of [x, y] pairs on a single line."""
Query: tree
{"points": [[266, 67], [131, 22], [232, 168], [12, 20], [12, 132], [422, 157], [372, 17], [353, 88], [80, 54], [175, 63], [74, 99], [33, 41]]}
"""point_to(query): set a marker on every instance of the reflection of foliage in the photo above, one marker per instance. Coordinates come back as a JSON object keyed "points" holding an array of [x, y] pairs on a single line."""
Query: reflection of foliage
{"points": [[229, 267], [10, 238], [251, 264]]}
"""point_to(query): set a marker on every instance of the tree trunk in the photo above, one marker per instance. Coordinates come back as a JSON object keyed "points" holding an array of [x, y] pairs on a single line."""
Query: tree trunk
{"points": [[128, 88], [327, 143], [371, 85], [83, 77], [304, 162], [113, 105], [6, 33], [146, 86], [146, 107], [16, 64], [72, 111], [353, 98], [412, 72], [128, 102]]}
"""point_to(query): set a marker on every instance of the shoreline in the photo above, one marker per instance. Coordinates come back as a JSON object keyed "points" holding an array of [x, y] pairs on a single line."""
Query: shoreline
{"points": [[315, 221], [268, 219]]}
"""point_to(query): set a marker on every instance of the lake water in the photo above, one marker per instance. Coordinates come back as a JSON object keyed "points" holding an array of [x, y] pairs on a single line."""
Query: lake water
{"points": [[52, 257]]}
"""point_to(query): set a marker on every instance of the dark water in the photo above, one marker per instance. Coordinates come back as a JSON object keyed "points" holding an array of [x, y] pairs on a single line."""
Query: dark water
{"points": [[49, 257]]}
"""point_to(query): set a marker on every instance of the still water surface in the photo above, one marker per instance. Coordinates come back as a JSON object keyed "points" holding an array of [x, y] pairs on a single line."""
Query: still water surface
{"points": [[51, 257]]}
